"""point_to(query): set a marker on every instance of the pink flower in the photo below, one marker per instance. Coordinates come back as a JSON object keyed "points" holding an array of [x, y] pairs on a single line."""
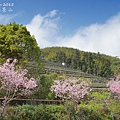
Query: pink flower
{"points": [[15, 81], [70, 89], [114, 85]]}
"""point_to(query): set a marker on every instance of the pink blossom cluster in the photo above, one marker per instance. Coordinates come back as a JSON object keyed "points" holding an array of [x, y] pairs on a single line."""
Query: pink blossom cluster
{"points": [[15, 82], [114, 86], [70, 89]]}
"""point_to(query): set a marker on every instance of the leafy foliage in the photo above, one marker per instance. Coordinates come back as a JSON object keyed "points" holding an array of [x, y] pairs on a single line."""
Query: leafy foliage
{"points": [[92, 63], [29, 112], [16, 42], [44, 83], [85, 111]]}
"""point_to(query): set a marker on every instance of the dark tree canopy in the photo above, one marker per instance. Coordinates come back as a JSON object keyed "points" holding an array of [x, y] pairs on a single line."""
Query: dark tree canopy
{"points": [[88, 62]]}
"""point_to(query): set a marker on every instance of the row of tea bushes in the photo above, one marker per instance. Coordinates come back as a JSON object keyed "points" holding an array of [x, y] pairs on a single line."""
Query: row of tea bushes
{"points": [[91, 110]]}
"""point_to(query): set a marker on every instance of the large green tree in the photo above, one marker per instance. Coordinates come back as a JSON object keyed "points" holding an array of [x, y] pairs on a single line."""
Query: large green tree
{"points": [[17, 42]]}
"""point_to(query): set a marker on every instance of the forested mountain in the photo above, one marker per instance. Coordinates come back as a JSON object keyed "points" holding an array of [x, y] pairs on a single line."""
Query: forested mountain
{"points": [[88, 62]]}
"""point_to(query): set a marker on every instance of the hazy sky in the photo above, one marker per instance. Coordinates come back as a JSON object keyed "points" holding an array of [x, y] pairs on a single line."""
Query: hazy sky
{"points": [[89, 25]]}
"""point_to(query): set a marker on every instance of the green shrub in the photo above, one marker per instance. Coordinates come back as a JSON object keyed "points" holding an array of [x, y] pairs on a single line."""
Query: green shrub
{"points": [[30, 112], [98, 109], [88, 110], [93, 111], [11, 113]]}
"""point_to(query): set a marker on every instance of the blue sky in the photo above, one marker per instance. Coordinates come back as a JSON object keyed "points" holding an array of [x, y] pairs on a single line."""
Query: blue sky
{"points": [[89, 25]]}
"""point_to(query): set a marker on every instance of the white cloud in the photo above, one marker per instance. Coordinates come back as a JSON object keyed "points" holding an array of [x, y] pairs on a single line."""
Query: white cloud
{"points": [[103, 38], [4, 19], [44, 28], [52, 13]]}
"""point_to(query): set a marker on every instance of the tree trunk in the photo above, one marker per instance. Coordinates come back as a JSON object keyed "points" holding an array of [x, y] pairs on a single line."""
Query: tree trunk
{"points": [[3, 107]]}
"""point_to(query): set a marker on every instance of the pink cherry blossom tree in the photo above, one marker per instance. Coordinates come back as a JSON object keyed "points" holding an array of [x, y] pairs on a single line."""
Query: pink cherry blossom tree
{"points": [[70, 89], [14, 82], [114, 86]]}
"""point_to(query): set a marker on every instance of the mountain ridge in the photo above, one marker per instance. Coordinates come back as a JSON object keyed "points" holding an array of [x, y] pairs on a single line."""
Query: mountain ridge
{"points": [[92, 63]]}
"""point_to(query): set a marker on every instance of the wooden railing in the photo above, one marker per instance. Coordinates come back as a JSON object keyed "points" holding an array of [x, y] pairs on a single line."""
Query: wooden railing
{"points": [[31, 101]]}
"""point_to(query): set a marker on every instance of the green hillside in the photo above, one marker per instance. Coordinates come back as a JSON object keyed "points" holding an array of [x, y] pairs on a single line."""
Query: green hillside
{"points": [[87, 62]]}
